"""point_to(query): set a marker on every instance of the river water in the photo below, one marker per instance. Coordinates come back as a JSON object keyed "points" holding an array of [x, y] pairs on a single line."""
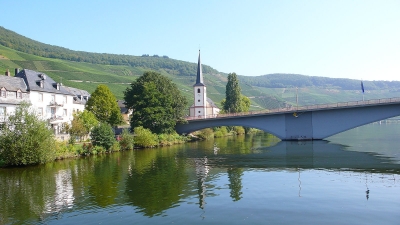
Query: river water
{"points": [[350, 178]]}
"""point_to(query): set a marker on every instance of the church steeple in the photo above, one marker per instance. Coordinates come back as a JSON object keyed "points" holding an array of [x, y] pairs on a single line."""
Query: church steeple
{"points": [[199, 78]]}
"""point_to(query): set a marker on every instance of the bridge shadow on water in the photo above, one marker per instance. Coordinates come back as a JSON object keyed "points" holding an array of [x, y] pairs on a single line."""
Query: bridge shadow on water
{"points": [[308, 155]]}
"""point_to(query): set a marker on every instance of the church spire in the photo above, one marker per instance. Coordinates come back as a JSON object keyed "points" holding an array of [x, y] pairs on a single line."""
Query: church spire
{"points": [[199, 78]]}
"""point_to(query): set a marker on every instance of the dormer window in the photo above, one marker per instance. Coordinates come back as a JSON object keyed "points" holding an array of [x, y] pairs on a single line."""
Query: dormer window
{"points": [[3, 92], [41, 84]]}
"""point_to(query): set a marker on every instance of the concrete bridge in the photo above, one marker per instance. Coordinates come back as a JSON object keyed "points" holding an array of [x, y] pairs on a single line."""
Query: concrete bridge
{"points": [[312, 122]]}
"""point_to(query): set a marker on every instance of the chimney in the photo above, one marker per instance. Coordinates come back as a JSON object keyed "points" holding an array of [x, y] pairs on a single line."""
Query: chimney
{"points": [[16, 71]]}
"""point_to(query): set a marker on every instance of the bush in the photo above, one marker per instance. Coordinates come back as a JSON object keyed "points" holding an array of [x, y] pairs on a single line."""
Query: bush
{"points": [[239, 130], [103, 135], [170, 139], [221, 132], [25, 139], [206, 133], [144, 137], [64, 150], [126, 142]]}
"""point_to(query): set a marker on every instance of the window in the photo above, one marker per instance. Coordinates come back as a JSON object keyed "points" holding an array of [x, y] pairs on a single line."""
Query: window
{"points": [[40, 111], [65, 112], [198, 100], [199, 111], [3, 92], [2, 111], [19, 94], [198, 90], [40, 97], [53, 112]]}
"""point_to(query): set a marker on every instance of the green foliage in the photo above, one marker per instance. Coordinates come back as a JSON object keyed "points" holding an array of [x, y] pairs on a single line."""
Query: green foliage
{"points": [[104, 106], [221, 132], [64, 150], [144, 137], [102, 135], [170, 139], [239, 130], [206, 133], [25, 139], [126, 140], [156, 102], [232, 103]]}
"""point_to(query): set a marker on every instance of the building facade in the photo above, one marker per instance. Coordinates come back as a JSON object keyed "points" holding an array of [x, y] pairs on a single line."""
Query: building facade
{"points": [[203, 107], [50, 100]]}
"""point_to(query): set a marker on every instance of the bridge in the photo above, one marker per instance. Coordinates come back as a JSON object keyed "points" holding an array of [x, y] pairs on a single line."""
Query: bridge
{"points": [[312, 122]]}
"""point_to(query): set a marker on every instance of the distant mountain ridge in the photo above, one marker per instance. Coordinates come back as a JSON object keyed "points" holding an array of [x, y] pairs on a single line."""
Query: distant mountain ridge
{"points": [[86, 70]]}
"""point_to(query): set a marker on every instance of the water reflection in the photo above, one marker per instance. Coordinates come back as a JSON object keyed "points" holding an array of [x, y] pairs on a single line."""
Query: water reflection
{"points": [[152, 181]]}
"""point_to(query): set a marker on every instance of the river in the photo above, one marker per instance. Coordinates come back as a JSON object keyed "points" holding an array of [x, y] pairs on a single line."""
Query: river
{"points": [[350, 178]]}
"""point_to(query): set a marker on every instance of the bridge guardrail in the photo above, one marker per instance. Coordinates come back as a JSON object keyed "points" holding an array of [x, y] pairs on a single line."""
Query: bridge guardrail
{"points": [[302, 108]]}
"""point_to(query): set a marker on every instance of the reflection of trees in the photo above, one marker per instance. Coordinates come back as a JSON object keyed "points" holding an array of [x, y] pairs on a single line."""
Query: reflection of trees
{"points": [[103, 179], [28, 194], [235, 183], [159, 186]]}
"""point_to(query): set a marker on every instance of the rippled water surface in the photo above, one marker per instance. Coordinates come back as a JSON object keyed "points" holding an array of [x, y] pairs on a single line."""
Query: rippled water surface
{"points": [[351, 178]]}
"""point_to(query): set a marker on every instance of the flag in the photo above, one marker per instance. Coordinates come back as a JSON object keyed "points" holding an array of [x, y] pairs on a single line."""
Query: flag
{"points": [[362, 86]]}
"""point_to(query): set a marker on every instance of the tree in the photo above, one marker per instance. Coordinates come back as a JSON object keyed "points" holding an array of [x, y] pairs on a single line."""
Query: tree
{"points": [[103, 105], [244, 104], [156, 102], [232, 102], [102, 135], [82, 124], [25, 139]]}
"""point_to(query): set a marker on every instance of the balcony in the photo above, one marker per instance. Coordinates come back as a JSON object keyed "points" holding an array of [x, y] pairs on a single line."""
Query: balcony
{"points": [[54, 103]]}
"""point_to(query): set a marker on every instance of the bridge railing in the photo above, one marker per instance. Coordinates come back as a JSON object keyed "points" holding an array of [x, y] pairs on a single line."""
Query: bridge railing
{"points": [[303, 108]]}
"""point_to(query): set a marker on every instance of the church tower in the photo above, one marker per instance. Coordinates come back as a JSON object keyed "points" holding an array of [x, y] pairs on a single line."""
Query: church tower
{"points": [[200, 94], [203, 107]]}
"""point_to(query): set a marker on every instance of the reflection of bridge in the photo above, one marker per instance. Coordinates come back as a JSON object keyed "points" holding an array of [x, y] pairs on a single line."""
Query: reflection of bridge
{"points": [[304, 122]]}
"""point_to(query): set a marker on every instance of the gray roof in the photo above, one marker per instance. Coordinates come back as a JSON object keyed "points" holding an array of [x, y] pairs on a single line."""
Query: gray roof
{"points": [[33, 79], [12, 83], [199, 77], [79, 94]]}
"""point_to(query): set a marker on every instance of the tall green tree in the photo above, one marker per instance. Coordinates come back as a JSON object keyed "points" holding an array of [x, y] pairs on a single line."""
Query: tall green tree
{"points": [[232, 94], [156, 102], [234, 101], [25, 139], [104, 106]]}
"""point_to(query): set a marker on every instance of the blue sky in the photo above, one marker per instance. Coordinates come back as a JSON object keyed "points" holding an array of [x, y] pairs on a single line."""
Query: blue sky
{"points": [[357, 39]]}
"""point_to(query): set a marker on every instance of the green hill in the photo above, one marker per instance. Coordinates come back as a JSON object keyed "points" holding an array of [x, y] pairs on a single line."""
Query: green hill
{"points": [[86, 70]]}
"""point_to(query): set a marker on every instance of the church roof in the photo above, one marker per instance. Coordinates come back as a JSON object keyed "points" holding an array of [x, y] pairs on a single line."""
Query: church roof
{"points": [[199, 77]]}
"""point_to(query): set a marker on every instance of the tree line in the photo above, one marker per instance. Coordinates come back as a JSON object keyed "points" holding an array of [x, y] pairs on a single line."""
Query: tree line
{"points": [[18, 42], [297, 80]]}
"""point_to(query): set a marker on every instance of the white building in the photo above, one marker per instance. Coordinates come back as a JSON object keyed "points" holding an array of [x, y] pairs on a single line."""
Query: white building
{"points": [[12, 93], [51, 100], [203, 107]]}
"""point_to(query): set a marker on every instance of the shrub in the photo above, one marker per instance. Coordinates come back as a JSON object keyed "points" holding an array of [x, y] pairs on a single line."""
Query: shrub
{"points": [[25, 139], [239, 130], [103, 135], [126, 142], [64, 150], [206, 133], [221, 132], [144, 137], [170, 139]]}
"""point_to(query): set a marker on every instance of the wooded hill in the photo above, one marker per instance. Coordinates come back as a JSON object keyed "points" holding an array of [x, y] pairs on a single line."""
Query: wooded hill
{"points": [[86, 70]]}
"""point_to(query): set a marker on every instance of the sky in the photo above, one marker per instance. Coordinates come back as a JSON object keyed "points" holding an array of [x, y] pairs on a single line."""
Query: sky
{"points": [[356, 39]]}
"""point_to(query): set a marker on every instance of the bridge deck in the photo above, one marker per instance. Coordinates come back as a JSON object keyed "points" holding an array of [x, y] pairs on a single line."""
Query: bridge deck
{"points": [[305, 108]]}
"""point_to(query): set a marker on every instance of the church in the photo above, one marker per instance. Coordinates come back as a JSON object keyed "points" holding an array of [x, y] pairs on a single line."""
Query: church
{"points": [[203, 107]]}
